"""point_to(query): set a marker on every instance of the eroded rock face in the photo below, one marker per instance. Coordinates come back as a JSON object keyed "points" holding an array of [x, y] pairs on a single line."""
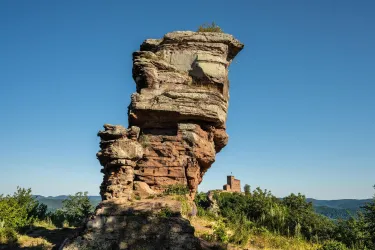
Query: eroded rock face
{"points": [[177, 116], [140, 225], [120, 150], [176, 126]]}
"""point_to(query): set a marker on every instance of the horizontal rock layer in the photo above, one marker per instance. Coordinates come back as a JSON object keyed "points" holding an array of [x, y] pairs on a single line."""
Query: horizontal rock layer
{"points": [[177, 116]]}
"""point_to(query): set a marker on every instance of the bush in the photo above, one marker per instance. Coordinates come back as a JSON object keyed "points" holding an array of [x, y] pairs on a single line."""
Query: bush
{"points": [[210, 28], [220, 233], [333, 245], [369, 219], [8, 236], [58, 218], [166, 212], [76, 208], [201, 200], [178, 189], [18, 211]]}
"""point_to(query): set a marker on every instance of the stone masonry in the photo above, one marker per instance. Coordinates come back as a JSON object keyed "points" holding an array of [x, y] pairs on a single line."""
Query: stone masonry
{"points": [[233, 185]]}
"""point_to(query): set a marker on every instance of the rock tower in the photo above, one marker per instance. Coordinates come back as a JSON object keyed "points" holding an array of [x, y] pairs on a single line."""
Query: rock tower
{"points": [[176, 126], [177, 116]]}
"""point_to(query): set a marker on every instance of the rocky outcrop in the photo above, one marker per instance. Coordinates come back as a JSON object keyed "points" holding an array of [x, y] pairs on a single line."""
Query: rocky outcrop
{"points": [[181, 105], [147, 224], [176, 117], [176, 126]]}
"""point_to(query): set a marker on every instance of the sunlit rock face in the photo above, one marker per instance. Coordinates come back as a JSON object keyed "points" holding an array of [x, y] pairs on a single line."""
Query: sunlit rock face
{"points": [[176, 126], [178, 112]]}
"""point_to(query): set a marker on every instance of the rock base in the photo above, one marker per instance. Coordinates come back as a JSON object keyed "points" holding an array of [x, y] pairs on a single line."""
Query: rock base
{"points": [[147, 224]]}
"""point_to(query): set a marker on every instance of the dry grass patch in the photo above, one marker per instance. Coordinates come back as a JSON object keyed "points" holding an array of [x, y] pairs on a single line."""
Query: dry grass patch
{"points": [[39, 243]]}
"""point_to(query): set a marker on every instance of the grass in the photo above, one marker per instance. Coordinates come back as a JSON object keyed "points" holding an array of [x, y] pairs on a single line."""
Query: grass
{"points": [[273, 241], [35, 243], [206, 228], [45, 224], [43, 234]]}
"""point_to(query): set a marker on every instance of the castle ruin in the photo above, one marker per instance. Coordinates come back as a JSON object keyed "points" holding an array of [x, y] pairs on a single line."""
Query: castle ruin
{"points": [[233, 185]]}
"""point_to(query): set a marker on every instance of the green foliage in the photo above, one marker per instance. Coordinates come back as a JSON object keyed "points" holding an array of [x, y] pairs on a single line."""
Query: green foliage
{"points": [[201, 200], [40, 211], [242, 229], [246, 188], [19, 210], [58, 218], [260, 212], [303, 220], [8, 236], [369, 219], [352, 232], [185, 205], [177, 189], [166, 212], [210, 28], [220, 233], [137, 197], [77, 208], [333, 245]]}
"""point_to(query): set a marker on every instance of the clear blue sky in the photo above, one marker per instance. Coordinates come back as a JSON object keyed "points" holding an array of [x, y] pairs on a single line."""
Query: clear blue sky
{"points": [[302, 107]]}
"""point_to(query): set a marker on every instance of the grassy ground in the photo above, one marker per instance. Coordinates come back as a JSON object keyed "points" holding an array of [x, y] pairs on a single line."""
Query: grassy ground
{"points": [[43, 235], [204, 229]]}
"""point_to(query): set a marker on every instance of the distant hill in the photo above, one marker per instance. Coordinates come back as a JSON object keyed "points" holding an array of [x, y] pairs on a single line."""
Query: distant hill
{"points": [[336, 209], [55, 202]]}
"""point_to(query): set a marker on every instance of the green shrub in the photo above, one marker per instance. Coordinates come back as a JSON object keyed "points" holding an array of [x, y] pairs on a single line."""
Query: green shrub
{"points": [[369, 219], [186, 208], [137, 197], [58, 218], [166, 212], [333, 245], [210, 28], [18, 211], [201, 200], [8, 236], [220, 233], [177, 189], [76, 208], [208, 237]]}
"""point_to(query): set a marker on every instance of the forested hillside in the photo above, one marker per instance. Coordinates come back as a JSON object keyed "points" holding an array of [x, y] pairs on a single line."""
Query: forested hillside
{"points": [[334, 209]]}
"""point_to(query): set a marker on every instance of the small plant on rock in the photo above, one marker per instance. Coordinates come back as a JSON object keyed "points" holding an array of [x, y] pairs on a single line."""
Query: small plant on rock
{"points": [[144, 141], [166, 212], [210, 28], [177, 189]]}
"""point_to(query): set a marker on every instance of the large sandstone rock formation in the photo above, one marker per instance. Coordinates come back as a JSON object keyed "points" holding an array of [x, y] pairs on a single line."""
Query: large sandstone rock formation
{"points": [[176, 126], [177, 115]]}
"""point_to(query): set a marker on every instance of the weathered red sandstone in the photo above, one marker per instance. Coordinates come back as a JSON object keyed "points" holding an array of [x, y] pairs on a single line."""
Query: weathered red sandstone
{"points": [[176, 126], [177, 115]]}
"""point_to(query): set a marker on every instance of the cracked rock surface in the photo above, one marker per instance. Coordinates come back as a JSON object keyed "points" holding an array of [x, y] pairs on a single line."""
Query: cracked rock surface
{"points": [[177, 122]]}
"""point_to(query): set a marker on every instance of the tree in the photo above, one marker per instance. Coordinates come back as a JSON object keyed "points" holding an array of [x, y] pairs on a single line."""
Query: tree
{"points": [[369, 218], [246, 188], [77, 208], [352, 232], [18, 211]]}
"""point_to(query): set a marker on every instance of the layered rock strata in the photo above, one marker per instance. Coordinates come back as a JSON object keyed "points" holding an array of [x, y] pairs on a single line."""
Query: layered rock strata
{"points": [[177, 115], [176, 126]]}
